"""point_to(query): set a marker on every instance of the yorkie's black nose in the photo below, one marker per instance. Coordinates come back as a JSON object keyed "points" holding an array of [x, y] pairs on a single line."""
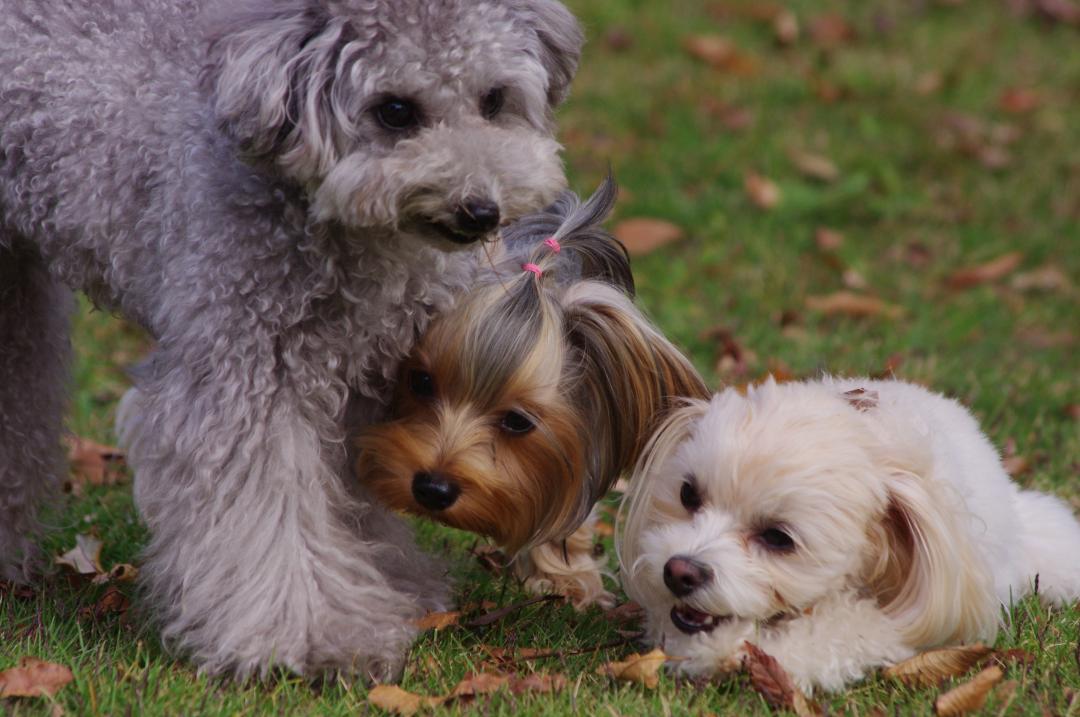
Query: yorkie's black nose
{"points": [[684, 575], [476, 216], [434, 491]]}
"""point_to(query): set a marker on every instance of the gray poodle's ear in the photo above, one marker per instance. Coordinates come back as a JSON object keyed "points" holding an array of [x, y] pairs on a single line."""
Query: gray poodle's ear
{"points": [[561, 39], [270, 75]]}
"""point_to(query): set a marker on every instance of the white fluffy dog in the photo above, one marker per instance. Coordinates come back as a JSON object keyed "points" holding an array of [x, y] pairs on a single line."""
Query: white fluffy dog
{"points": [[838, 524]]}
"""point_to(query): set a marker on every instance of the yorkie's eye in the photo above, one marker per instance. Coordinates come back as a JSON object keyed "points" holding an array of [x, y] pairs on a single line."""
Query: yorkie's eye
{"points": [[689, 495], [397, 114], [492, 103], [777, 540], [516, 424], [422, 384]]}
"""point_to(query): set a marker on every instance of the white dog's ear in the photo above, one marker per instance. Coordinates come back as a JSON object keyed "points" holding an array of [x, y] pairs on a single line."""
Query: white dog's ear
{"points": [[271, 73], [561, 40], [924, 571], [635, 510]]}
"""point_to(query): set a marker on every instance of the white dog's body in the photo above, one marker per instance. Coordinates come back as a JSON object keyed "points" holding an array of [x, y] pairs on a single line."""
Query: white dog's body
{"points": [[840, 525]]}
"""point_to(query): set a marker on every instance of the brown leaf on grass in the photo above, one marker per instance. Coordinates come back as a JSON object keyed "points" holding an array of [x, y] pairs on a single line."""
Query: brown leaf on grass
{"points": [[929, 83], [731, 358], [643, 234], [828, 239], [731, 117], [479, 684], [1072, 411], [1063, 11], [772, 682], [94, 463], [933, 667], [119, 573], [490, 558], [394, 699], [627, 612], [987, 272], [642, 669], [1041, 338], [1018, 100], [112, 602], [1016, 656], [1013, 463], [19, 592], [720, 53], [847, 303], [1044, 278], [34, 678], [495, 615], [969, 696], [618, 39], [831, 30], [786, 27], [763, 192], [438, 620], [814, 166], [539, 682], [894, 362], [85, 557]]}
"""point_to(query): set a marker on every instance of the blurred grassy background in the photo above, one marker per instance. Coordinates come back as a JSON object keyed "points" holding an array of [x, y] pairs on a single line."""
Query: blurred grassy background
{"points": [[952, 131]]}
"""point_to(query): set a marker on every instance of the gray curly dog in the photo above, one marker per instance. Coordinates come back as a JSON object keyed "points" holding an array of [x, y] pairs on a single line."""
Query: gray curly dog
{"points": [[282, 193]]}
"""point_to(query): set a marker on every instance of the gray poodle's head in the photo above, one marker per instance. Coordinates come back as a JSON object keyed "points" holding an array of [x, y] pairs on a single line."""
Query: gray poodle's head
{"points": [[426, 117]]}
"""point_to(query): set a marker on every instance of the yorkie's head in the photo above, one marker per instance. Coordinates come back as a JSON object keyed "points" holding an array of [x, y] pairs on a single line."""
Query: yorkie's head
{"points": [[521, 405]]}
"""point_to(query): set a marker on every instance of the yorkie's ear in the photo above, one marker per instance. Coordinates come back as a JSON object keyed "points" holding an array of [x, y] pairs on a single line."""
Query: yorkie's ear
{"points": [[630, 375], [924, 571]]}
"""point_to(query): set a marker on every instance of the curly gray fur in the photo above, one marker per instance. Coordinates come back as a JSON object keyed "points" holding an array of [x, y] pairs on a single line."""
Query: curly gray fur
{"points": [[230, 189]]}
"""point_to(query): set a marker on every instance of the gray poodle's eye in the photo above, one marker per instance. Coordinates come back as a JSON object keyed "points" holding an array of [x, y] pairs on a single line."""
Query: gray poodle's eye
{"points": [[492, 103], [397, 114]]}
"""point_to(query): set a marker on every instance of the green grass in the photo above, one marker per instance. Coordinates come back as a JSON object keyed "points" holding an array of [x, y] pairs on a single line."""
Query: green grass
{"points": [[645, 110]]}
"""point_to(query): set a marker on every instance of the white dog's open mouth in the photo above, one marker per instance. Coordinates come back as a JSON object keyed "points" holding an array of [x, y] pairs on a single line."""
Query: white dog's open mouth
{"points": [[692, 621]]}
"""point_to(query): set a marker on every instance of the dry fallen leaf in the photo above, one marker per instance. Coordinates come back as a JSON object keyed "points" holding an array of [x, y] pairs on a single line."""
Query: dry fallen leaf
{"points": [[119, 573], [1045, 278], [643, 235], [112, 602], [643, 669], [85, 557], [490, 558], [848, 303], [831, 30], [34, 678], [786, 27], [394, 699], [437, 620], [814, 166], [627, 612], [93, 463], [541, 682], [828, 239], [479, 684], [934, 666], [969, 696], [987, 272], [1018, 100], [929, 83], [763, 192], [772, 682], [719, 52]]}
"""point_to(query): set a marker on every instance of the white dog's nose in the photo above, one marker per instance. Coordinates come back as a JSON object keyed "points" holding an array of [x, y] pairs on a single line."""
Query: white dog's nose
{"points": [[684, 575]]}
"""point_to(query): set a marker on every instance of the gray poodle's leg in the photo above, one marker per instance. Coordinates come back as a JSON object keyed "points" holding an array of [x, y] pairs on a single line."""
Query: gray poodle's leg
{"points": [[34, 351], [260, 555]]}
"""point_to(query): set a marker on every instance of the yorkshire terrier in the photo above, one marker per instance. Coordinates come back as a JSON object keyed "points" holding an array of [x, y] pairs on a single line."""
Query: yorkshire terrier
{"points": [[522, 404], [839, 524]]}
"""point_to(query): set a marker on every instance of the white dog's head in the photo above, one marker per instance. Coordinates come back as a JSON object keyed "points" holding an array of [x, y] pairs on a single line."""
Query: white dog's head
{"points": [[752, 508], [426, 118]]}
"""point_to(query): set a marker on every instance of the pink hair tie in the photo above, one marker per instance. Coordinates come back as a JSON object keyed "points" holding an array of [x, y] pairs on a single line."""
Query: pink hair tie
{"points": [[533, 268], [553, 243]]}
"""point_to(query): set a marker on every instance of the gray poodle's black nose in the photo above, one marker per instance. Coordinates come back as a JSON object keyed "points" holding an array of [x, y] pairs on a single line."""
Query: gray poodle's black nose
{"points": [[684, 575], [434, 491], [477, 217]]}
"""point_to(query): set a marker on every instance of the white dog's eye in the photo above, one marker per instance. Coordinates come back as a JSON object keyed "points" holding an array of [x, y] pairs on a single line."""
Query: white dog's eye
{"points": [[492, 103], [776, 540], [689, 495]]}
